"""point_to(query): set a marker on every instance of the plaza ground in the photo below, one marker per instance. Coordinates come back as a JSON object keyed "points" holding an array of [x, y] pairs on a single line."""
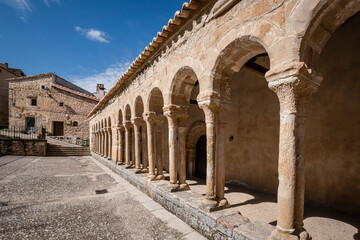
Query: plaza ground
{"points": [[55, 198]]}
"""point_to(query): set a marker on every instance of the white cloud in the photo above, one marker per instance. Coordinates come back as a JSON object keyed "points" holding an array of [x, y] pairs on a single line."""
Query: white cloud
{"points": [[93, 34], [107, 77], [23, 7], [48, 2]]}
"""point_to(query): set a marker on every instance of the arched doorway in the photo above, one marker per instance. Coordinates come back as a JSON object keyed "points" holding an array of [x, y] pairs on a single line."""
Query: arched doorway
{"points": [[200, 157]]}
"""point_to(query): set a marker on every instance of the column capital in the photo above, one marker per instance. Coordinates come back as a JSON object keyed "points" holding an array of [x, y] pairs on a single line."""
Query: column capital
{"points": [[108, 129], [119, 127], [127, 124], [137, 121], [176, 114], [293, 83], [149, 117]]}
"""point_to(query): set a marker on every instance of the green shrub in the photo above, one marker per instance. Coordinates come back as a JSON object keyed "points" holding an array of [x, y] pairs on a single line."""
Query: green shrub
{"points": [[48, 133]]}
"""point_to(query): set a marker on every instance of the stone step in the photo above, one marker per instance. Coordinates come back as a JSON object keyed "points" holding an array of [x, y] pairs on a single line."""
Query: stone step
{"points": [[56, 150]]}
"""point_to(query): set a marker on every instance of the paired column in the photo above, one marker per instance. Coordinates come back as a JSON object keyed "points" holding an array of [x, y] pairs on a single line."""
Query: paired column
{"points": [[109, 142], [102, 142], [158, 149], [137, 121], [215, 118], [177, 117], [150, 118], [144, 148], [120, 150], [293, 87], [128, 143]]}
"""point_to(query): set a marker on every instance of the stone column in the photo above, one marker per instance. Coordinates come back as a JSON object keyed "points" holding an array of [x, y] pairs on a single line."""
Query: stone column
{"points": [[177, 116], [144, 148], [158, 143], [137, 121], [210, 108], [106, 143], [109, 140], [293, 87], [221, 158], [102, 142], [128, 144], [150, 118], [120, 130]]}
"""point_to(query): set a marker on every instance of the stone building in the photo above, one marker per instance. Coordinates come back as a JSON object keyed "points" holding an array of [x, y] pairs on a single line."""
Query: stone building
{"points": [[48, 101], [6, 72], [225, 92]]}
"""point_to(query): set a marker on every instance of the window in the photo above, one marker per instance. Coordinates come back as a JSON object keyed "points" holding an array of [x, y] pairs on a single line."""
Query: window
{"points": [[61, 104], [75, 124], [33, 102], [42, 87]]}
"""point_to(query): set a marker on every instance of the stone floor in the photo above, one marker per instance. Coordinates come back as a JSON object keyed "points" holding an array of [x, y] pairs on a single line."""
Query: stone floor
{"points": [[320, 223], [54, 198]]}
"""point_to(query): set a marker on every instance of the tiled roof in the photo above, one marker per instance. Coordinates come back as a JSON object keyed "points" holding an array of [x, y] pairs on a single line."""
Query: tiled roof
{"points": [[75, 92], [174, 24]]}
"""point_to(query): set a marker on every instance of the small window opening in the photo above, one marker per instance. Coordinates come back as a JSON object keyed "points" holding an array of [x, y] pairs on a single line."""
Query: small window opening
{"points": [[75, 124], [61, 104], [33, 102], [42, 87]]}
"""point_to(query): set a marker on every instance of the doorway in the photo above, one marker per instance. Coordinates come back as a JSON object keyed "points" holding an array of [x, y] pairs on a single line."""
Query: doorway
{"points": [[58, 128], [30, 124], [200, 160]]}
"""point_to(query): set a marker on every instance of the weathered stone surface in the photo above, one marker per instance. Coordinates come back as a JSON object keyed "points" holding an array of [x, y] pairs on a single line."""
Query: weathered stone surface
{"points": [[24, 147]]}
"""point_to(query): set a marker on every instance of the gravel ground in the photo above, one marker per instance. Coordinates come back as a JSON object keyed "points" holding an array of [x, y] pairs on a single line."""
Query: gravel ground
{"points": [[54, 198]]}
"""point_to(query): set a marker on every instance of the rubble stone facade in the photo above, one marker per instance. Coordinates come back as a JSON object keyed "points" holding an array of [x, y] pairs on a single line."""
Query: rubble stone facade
{"points": [[263, 80], [5, 73], [48, 101]]}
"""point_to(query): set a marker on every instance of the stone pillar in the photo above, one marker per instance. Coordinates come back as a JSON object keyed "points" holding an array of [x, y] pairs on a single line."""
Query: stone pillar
{"points": [[109, 143], [150, 118], [293, 86], [158, 143], [144, 148], [102, 142], [210, 108], [221, 158], [177, 116], [106, 142], [137, 124], [120, 131], [128, 143]]}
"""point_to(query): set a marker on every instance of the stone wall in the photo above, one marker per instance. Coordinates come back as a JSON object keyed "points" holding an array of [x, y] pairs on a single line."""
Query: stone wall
{"points": [[75, 108], [23, 147], [4, 96]]}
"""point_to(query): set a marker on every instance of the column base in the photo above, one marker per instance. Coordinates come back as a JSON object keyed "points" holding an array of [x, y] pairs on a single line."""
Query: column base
{"points": [[174, 187], [145, 170], [179, 187], [214, 204], [109, 158], [127, 166], [138, 170], [160, 177], [120, 163], [278, 234], [151, 177]]}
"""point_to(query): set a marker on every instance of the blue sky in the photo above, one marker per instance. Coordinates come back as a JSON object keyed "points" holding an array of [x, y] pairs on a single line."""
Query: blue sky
{"points": [[84, 41]]}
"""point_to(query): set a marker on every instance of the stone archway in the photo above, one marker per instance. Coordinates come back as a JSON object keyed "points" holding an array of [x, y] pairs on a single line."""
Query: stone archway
{"points": [[196, 130]]}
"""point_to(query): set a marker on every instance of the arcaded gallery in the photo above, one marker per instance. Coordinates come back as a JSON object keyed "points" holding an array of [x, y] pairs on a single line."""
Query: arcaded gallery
{"points": [[247, 106]]}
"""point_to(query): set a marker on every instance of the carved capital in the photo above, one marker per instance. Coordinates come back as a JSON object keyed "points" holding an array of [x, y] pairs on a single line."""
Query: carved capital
{"points": [[294, 84], [176, 115], [127, 125], [210, 108], [137, 121], [150, 117]]}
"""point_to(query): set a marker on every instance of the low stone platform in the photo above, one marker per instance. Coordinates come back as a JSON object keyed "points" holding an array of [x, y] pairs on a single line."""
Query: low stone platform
{"points": [[224, 224]]}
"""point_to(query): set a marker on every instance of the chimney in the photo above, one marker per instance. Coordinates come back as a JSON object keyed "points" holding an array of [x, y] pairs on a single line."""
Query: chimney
{"points": [[100, 90], [6, 65]]}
